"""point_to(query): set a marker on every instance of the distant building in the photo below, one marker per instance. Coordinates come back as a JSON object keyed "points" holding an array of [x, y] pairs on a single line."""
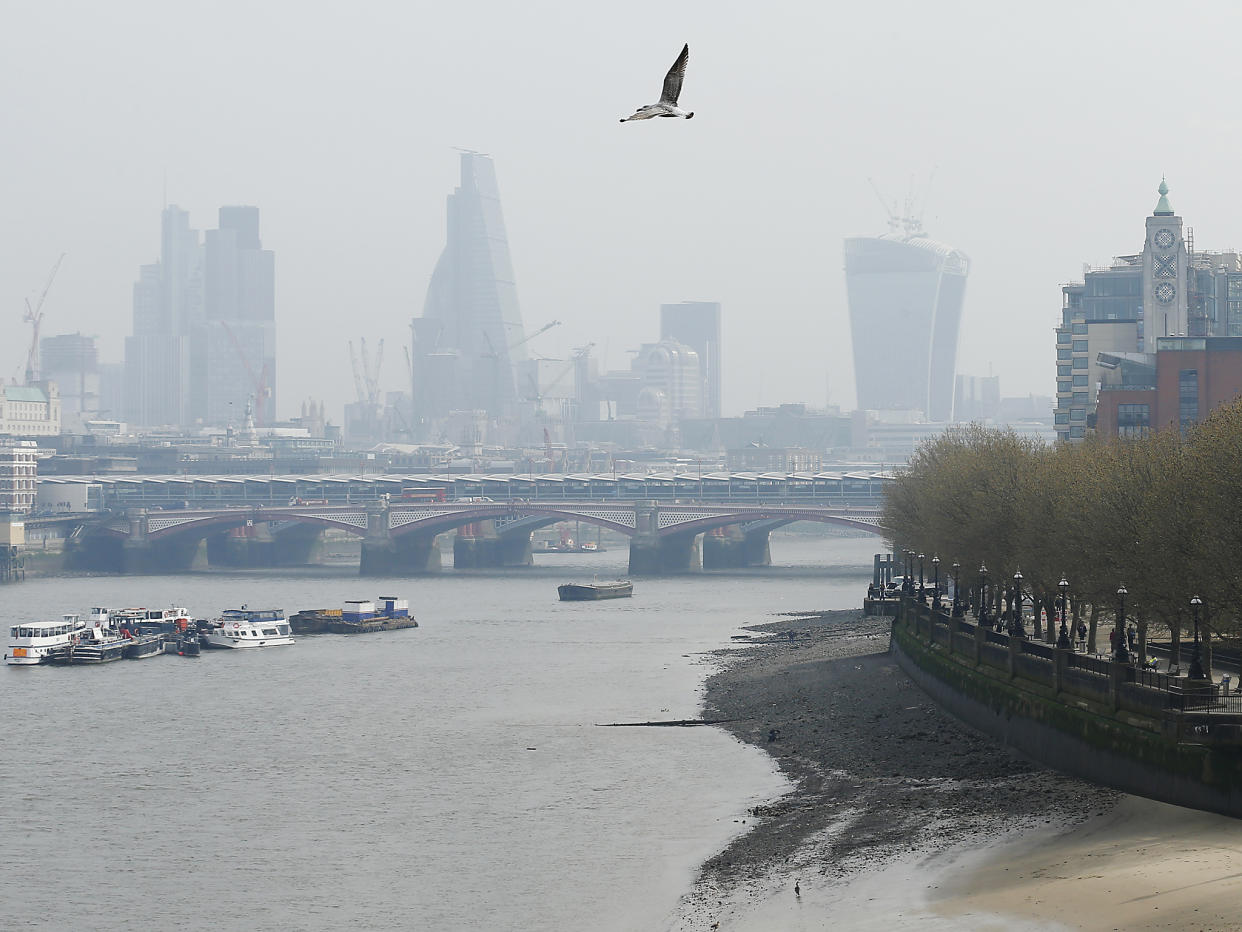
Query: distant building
{"points": [[19, 474], [203, 346], [697, 325], [469, 340], [976, 397], [30, 410], [759, 458], [72, 362], [905, 299], [671, 380]]}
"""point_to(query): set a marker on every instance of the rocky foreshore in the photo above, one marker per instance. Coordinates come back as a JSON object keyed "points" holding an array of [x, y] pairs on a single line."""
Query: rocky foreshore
{"points": [[878, 771]]}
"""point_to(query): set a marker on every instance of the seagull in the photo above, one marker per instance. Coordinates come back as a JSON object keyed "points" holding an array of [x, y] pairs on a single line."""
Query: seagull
{"points": [[667, 107]]}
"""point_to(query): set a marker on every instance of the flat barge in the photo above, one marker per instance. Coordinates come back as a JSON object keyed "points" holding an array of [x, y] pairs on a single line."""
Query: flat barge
{"points": [[593, 591], [355, 617]]}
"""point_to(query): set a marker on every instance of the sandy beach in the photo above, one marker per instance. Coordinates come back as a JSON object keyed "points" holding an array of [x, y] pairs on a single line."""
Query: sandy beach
{"points": [[900, 816]]}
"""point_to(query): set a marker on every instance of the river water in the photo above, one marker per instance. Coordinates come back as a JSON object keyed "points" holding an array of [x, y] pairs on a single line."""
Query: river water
{"points": [[446, 777]]}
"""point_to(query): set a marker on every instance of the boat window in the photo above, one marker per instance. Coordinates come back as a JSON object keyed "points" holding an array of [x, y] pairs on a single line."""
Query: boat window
{"points": [[283, 629], [270, 632], [13, 633]]}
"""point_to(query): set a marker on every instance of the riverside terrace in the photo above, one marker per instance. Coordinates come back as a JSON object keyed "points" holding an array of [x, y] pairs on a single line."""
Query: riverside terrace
{"points": [[1171, 738]]}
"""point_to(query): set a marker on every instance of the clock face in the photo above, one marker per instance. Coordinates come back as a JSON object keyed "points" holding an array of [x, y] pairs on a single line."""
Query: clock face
{"points": [[1163, 238], [1165, 292], [1165, 266]]}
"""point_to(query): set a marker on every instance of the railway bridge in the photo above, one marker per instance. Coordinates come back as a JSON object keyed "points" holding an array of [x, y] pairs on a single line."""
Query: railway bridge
{"points": [[399, 538]]}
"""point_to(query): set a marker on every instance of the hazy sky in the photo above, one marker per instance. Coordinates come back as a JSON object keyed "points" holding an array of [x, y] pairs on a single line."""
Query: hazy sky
{"points": [[1047, 129]]}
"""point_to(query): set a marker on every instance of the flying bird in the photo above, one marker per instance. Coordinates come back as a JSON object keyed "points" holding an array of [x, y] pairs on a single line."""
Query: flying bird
{"points": [[667, 107]]}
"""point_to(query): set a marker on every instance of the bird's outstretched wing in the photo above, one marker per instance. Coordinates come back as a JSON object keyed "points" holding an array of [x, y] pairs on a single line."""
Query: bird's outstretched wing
{"points": [[676, 74]]}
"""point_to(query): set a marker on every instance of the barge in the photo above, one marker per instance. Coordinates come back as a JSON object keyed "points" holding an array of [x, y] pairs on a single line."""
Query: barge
{"points": [[355, 617], [592, 591]]}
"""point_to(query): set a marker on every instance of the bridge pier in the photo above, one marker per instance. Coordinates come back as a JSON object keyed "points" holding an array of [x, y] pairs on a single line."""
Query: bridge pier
{"points": [[653, 554], [478, 546], [736, 548], [407, 555]]}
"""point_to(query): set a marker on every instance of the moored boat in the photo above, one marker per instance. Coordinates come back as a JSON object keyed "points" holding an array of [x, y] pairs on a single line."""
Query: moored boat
{"points": [[592, 591], [355, 617], [246, 627], [39, 641], [139, 646]]}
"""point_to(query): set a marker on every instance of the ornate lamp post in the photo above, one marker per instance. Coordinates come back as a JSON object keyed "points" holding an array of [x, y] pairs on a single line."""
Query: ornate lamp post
{"points": [[1016, 628], [907, 584], [922, 593], [1120, 654], [982, 614], [957, 604], [936, 583], [1063, 639], [1196, 666]]}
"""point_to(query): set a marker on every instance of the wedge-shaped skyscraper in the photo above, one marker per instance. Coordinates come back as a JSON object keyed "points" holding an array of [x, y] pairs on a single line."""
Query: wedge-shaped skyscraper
{"points": [[905, 297], [469, 339]]}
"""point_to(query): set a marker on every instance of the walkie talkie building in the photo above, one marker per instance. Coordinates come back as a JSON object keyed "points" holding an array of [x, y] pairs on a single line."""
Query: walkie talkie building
{"points": [[905, 298]]}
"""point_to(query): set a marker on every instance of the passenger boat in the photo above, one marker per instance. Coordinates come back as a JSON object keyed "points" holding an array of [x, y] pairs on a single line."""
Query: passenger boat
{"points": [[247, 627], [37, 641], [355, 617], [99, 642], [589, 592]]}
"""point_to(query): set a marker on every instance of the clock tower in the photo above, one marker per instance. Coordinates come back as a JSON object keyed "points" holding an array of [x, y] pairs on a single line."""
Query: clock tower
{"points": [[1164, 274]]}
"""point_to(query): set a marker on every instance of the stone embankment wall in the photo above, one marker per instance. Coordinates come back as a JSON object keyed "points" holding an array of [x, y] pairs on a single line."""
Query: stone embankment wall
{"points": [[1092, 722]]}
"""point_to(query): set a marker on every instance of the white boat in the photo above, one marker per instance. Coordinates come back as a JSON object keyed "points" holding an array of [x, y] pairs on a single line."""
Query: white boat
{"points": [[35, 641], [247, 627]]}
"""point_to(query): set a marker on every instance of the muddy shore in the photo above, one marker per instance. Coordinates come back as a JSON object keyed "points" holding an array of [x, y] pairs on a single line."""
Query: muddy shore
{"points": [[878, 772]]}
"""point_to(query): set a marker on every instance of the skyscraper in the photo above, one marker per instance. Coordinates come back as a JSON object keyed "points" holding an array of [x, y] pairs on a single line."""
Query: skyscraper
{"points": [[697, 325], [71, 360], [468, 341], [905, 298], [203, 346]]}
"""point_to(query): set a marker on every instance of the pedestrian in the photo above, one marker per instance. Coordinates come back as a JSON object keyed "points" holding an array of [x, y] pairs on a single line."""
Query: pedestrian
{"points": [[1131, 636], [1112, 640], [797, 889]]}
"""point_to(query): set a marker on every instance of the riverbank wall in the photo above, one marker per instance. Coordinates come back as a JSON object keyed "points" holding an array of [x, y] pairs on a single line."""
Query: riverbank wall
{"points": [[1080, 715]]}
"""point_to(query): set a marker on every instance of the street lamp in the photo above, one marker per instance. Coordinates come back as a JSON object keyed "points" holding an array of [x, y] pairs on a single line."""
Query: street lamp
{"points": [[1063, 639], [936, 583], [1120, 654], [907, 584], [1016, 628], [957, 606], [1196, 667], [982, 614], [922, 594]]}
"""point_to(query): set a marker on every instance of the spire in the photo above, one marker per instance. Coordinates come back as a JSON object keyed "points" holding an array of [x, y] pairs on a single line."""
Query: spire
{"points": [[1162, 206]]}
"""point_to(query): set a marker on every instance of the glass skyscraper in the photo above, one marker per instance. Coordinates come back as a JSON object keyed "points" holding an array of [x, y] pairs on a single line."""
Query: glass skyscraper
{"points": [[905, 298]]}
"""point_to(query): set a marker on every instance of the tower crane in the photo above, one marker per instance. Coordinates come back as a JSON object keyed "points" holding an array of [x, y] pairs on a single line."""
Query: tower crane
{"points": [[258, 383], [34, 316], [544, 329]]}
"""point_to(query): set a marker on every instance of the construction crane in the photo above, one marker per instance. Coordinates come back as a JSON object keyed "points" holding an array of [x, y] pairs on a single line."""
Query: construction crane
{"points": [[258, 383], [366, 376], [34, 316], [544, 329]]}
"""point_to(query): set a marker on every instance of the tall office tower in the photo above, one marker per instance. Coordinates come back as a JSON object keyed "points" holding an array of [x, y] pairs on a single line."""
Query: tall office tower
{"points": [[203, 350], [905, 297], [697, 325], [469, 339], [167, 303], [72, 362], [233, 351]]}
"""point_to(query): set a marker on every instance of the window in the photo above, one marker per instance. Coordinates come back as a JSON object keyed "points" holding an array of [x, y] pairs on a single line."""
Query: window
{"points": [[1077, 432], [1063, 386], [1133, 420], [1080, 398], [1060, 417], [1081, 362], [1079, 327], [1080, 346], [1063, 336], [1063, 352], [1080, 379], [1063, 370], [1078, 414], [1187, 398]]}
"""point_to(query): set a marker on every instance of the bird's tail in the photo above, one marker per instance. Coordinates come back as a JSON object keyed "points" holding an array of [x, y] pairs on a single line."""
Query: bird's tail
{"points": [[690, 115]]}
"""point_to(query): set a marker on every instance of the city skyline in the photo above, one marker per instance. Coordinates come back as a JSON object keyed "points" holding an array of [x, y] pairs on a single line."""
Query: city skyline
{"points": [[604, 226]]}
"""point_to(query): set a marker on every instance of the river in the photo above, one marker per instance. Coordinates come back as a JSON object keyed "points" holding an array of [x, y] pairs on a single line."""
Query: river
{"points": [[446, 777]]}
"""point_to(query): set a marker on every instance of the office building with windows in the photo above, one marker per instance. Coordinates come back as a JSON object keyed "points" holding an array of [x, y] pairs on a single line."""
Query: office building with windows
{"points": [[1120, 319], [696, 324]]}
